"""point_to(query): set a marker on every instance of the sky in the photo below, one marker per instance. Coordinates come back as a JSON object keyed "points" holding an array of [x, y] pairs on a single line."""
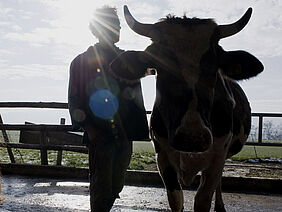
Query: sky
{"points": [[40, 38]]}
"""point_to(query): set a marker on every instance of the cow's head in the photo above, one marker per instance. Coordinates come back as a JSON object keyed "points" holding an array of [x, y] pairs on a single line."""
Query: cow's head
{"points": [[191, 66]]}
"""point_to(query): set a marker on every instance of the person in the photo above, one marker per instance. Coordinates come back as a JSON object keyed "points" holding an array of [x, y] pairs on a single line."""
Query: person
{"points": [[111, 112]]}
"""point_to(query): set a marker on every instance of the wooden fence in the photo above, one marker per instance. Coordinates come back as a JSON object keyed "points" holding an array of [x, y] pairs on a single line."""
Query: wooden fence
{"points": [[44, 129]]}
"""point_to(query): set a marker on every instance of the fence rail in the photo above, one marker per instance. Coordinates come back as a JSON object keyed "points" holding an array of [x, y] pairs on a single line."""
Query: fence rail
{"points": [[62, 105], [51, 105], [37, 127], [80, 149], [43, 129]]}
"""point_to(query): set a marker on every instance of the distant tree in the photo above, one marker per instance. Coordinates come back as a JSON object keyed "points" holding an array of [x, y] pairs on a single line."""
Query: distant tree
{"points": [[254, 133], [271, 131]]}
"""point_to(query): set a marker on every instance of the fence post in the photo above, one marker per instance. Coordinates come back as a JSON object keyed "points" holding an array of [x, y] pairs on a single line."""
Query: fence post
{"points": [[60, 152], [6, 140], [43, 150], [260, 129]]}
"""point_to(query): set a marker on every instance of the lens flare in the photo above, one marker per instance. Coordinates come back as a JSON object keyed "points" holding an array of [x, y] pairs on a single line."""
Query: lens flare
{"points": [[103, 104]]}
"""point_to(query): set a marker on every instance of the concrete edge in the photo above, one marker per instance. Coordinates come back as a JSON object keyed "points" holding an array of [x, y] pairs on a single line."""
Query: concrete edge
{"points": [[143, 178]]}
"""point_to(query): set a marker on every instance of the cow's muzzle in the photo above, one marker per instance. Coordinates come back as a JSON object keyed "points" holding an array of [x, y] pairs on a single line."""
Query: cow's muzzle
{"points": [[195, 141]]}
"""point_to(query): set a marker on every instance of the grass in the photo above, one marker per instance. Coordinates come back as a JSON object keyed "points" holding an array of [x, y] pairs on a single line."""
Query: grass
{"points": [[143, 157], [139, 160], [143, 146], [246, 153], [31, 156], [250, 152], [142, 161]]}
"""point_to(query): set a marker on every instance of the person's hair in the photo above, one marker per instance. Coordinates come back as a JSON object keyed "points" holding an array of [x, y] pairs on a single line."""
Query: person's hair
{"points": [[104, 20]]}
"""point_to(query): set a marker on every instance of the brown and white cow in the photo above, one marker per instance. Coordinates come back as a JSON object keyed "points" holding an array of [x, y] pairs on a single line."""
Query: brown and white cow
{"points": [[201, 116]]}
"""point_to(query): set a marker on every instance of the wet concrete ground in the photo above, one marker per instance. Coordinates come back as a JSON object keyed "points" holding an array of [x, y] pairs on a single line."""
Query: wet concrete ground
{"points": [[53, 195]]}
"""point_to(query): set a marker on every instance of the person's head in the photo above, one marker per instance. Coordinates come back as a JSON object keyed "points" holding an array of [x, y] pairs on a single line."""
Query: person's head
{"points": [[105, 25]]}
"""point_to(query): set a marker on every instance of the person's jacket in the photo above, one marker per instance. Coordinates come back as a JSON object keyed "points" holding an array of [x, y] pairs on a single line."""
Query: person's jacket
{"points": [[95, 97]]}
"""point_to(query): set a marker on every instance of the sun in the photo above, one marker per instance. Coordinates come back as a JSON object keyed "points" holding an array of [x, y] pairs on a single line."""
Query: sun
{"points": [[71, 23], [73, 20]]}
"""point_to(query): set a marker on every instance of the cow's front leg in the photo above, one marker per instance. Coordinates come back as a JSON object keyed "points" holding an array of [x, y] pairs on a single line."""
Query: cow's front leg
{"points": [[173, 188], [219, 205], [209, 182]]}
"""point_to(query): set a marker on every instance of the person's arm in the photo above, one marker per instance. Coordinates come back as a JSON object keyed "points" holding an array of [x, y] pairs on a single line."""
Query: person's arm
{"points": [[75, 103]]}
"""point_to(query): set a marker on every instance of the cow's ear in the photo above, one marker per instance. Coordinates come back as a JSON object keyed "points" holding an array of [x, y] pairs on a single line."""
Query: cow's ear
{"points": [[239, 65]]}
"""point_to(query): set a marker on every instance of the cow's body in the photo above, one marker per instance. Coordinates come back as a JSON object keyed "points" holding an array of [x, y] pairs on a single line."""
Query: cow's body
{"points": [[179, 168], [201, 116]]}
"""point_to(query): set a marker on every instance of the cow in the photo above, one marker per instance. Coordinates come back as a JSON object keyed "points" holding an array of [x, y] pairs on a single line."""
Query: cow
{"points": [[201, 116]]}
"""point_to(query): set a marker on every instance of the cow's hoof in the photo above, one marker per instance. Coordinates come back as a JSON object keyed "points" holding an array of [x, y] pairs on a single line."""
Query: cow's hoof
{"points": [[219, 208]]}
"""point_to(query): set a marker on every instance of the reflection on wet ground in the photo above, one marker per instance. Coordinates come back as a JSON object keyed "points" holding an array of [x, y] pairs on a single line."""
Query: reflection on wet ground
{"points": [[54, 195]]}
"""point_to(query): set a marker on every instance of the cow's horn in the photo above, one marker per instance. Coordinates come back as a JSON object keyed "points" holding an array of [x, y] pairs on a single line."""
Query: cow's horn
{"points": [[139, 28], [232, 29]]}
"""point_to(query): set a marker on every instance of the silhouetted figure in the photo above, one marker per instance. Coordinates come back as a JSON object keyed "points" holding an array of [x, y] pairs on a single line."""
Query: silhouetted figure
{"points": [[111, 113]]}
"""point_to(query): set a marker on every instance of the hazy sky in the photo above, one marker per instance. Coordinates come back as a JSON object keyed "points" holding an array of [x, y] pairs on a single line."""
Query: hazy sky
{"points": [[39, 39]]}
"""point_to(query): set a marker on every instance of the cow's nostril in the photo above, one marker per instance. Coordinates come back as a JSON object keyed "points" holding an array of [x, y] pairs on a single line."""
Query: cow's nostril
{"points": [[178, 142]]}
